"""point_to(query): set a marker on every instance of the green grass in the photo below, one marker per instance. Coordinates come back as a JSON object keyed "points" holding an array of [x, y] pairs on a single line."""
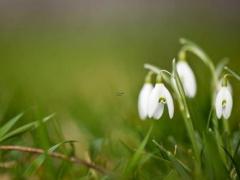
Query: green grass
{"points": [[90, 80]]}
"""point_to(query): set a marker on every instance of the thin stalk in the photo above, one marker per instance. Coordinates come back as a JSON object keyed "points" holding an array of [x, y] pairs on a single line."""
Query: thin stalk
{"points": [[195, 49], [219, 140], [183, 108], [227, 134], [156, 69], [186, 116], [54, 155], [232, 72], [164, 73]]}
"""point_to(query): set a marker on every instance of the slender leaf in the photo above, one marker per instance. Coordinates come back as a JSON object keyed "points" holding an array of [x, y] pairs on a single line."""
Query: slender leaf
{"points": [[237, 149], [53, 148], [25, 128], [220, 67], [38, 161], [180, 167], [137, 155], [7, 126], [235, 164], [233, 73]]}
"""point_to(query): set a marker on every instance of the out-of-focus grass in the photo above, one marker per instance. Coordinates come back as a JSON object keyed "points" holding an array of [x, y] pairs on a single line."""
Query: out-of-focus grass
{"points": [[90, 77]]}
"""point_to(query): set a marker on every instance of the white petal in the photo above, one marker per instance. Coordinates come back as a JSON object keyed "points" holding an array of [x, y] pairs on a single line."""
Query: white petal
{"points": [[224, 95], [229, 103], [154, 97], [169, 101], [159, 111], [143, 100], [187, 78], [218, 104]]}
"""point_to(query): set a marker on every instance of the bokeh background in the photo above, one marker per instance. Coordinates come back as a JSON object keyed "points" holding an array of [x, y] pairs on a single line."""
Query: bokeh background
{"points": [[83, 60]]}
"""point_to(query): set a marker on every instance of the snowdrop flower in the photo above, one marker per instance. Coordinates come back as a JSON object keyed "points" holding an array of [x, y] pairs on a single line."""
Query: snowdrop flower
{"points": [[158, 98], [187, 78], [144, 96], [143, 100], [223, 103]]}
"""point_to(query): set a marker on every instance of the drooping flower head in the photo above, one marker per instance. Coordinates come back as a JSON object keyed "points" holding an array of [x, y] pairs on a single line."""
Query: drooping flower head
{"points": [[144, 96], [224, 102], [143, 100], [159, 97], [187, 78]]}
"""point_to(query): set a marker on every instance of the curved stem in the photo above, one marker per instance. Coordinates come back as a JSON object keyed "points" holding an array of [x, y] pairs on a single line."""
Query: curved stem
{"points": [[195, 49], [53, 154], [186, 116], [220, 66], [156, 69], [234, 74]]}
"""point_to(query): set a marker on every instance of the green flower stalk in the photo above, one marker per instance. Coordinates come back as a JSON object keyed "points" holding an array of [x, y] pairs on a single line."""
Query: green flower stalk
{"points": [[154, 98], [178, 88], [189, 46]]}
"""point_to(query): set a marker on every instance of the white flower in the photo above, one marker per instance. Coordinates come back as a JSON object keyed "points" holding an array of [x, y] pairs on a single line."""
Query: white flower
{"points": [[187, 78], [223, 103], [158, 98], [143, 100]]}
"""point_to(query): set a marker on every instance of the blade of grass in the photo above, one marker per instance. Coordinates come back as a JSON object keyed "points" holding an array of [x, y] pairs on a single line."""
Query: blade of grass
{"points": [[235, 164], [38, 161], [236, 150], [153, 154], [180, 167], [220, 66], [137, 155], [25, 128], [7, 126]]}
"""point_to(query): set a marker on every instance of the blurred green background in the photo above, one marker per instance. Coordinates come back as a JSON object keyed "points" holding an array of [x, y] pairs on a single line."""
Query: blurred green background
{"points": [[83, 60]]}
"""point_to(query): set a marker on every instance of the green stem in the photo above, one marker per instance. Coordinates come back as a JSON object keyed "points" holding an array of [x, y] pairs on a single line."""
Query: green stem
{"points": [[164, 73], [226, 135], [234, 74], [219, 140], [195, 49], [186, 116]]}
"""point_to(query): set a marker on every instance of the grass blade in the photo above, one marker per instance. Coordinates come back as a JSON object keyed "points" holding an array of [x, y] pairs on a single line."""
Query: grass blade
{"points": [[7, 126], [38, 161], [25, 128], [234, 163], [180, 167], [137, 155]]}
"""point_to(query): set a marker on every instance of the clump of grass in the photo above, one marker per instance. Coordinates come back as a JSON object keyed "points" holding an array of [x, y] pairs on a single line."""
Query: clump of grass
{"points": [[38, 148], [207, 144]]}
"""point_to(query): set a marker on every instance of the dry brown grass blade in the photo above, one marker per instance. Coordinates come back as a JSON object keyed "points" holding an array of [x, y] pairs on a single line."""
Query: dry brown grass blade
{"points": [[54, 155]]}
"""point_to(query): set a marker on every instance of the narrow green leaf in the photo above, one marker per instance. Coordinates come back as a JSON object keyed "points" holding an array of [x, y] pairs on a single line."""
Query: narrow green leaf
{"points": [[220, 67], [39, 160], [137, 155], [233, 73], [237, 149], [179, 166], [25, 128], [53, 148], [195, 49], [7, 126], [235, 164], [172, 175]]}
